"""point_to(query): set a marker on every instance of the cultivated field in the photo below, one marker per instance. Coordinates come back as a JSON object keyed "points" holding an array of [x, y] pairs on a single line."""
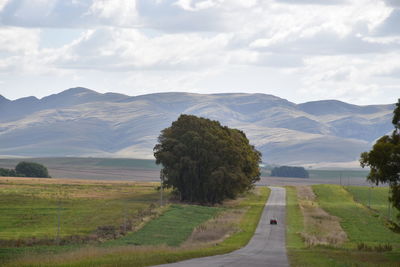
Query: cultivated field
{"points": [[95, 168], [327, 226], [117, 223], [33, 208], [146, 170]]}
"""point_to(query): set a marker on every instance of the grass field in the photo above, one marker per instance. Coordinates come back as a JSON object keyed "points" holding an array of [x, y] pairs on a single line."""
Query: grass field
{"points": [[180, 219], [345, 174], [358, 222], [172, 228], [31, 207], [374, 197]]}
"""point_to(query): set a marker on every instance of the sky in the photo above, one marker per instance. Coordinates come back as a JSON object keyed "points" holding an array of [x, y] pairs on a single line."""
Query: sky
{"points": [[300, 50]]}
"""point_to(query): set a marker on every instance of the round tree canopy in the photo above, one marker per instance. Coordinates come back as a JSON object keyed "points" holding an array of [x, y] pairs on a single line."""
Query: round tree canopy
{"points": [[205, 162]]}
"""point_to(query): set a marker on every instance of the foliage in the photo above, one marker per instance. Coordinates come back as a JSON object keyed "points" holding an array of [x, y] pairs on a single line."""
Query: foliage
{"points": [[32, 169], [206, 162], [384, 160], [8, 173], [288, 171]]}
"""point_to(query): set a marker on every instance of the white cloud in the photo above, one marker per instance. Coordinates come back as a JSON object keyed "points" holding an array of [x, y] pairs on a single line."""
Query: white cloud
{"points": [[19, 40], [2, 4], [336, 48], [129, 49], [121, 12], [313, 2]]}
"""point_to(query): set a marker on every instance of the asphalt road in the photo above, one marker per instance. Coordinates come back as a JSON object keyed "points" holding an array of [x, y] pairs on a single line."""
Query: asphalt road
{"points": [[266, 248]]}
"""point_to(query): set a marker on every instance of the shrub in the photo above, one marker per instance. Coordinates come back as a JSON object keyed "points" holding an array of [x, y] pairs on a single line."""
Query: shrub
{"points": [[32, 169]]}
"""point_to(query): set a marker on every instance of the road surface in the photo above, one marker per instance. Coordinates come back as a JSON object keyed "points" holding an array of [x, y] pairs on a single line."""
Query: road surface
{"points": [[266, 248]]}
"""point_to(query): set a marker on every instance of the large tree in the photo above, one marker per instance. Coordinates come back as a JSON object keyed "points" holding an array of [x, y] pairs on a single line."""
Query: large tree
{"points": [[384, 160], [205, 162]]}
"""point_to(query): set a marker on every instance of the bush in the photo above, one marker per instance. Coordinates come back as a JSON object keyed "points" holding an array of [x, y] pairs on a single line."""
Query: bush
{"points": [[287, 171], [8, 172], [32, 169]]}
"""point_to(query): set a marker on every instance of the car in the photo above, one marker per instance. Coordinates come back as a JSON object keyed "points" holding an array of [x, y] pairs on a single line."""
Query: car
{"points": [[273, 221]]}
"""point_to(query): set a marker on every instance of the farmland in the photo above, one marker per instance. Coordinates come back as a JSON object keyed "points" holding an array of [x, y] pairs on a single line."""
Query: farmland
{"points": [[95, 168], [369, 239], [375, 198], [85, 206], [33, 207]]}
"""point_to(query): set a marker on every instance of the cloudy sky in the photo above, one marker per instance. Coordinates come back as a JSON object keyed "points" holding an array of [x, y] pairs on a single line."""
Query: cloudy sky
{"points": [[301, 50]]}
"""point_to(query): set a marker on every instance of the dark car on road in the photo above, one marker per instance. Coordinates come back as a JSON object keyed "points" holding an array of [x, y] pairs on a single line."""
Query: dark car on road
{"points": [[273, 221]]}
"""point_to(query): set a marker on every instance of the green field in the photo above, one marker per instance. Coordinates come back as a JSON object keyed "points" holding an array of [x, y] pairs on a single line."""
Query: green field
{"points": [[172, 228], [361, 225], [357, 221], [374, 197], [345, 174], [33, 207], [85, 205]]}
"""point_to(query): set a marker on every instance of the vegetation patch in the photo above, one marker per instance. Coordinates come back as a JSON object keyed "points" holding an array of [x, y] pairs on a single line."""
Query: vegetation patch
{"points": [[205, 162], [337, 174], [171, 228], [320, 228], [358, 222], [217, 229], [333, 199], [289, 171], [376, 199], [130, 255], [33, 209], [26, 169]]}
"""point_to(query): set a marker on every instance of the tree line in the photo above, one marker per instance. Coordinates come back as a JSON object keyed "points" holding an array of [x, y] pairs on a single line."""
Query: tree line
{"points": [[288, 171], [26, 169]]}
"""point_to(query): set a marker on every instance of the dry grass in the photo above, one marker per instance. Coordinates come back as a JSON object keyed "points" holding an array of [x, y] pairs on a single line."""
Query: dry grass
{"points": [[76, 188], [85, 254], [217, 229], [221, 227], [320, 228], [26, 180]]}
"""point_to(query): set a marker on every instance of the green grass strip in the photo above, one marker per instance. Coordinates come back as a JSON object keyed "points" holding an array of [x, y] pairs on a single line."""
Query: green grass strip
{"points": [[294, 219], [172, 228], [357, 221], [300, 255], [375, 197]]}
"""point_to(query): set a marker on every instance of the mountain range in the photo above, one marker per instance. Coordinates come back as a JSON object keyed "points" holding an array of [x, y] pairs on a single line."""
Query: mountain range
{"points": [[83, 122]]}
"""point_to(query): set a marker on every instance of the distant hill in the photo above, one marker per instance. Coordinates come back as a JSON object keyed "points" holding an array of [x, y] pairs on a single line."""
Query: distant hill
{"points": [[82, 122]]}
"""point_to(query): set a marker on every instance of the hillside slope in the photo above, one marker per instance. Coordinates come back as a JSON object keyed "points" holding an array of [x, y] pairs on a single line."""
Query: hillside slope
{"points": [[82, 122]]}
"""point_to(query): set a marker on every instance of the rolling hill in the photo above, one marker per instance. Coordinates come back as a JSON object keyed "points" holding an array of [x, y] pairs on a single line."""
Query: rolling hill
{"points": [[82, 122]]}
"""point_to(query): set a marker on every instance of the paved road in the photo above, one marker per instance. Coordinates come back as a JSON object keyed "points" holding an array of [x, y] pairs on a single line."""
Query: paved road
{"points": [[266, 248]]}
